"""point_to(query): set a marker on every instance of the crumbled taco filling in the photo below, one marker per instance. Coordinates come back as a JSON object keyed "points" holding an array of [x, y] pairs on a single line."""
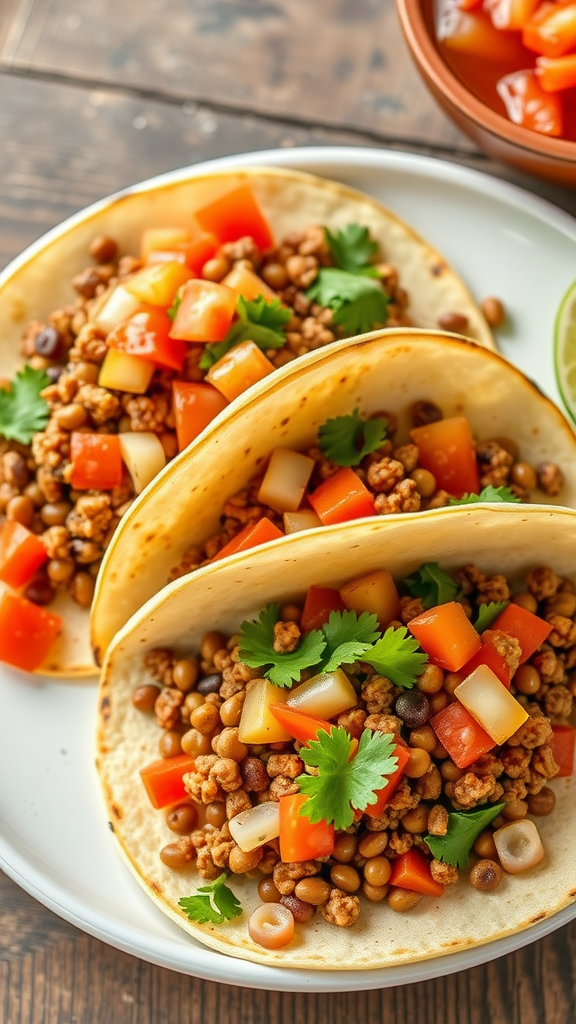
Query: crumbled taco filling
{"points": [[359, 466], [371, 744]]}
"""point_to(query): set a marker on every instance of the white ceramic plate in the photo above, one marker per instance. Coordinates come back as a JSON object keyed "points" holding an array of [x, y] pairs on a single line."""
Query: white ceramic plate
{"points": [[53, 837]]}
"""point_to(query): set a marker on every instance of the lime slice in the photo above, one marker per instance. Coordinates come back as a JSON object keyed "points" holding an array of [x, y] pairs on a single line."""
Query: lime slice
{"points": [[565, 349]]}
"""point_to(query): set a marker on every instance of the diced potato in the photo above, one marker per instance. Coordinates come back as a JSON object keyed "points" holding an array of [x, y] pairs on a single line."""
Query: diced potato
{"points": [[375, 592], [143, 456], [260, 824], [161, 238], [257, 723], [491, 704], [117, 307], [304, 520], [123, 372], [158, 283], [285, 480], [247, 284], [239, 369], [325, 695]]}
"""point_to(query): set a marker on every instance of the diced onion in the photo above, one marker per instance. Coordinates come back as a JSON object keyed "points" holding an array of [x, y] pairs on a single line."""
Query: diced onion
{"points": [[304, 520], [271, 926], [257, 723], [491, 704], [325, 695], [519, 846], [143, 456], [118, 306], [259, 825], [285, 479]]}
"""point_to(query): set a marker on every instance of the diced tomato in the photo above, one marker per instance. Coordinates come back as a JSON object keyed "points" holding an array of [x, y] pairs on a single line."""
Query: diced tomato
{"points": [[195, 406], [96, 461], [461, 735], [205, 312], [240, 368], [411, 870], [563, 745], [556, 73], [488, 655], [530, 630], [319, 603], [384, 795], [552, 29], [21, 553], [341, 497], [299, 838], [446, 449], [510, 14], [527, 103], [447, 636], [163, 779], [158, 283], [27, 632], [299, 724], [235, 215], [250, 537], [471, 33], [147, 335], [247, 284], [469, 5]]}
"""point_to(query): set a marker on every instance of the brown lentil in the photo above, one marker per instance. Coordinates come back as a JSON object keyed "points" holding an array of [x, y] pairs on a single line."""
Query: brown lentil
{"points": [[450, 772], [485, 845], [416, 820], [377, 871], [523, 475], [543, 802], [205, 718], [345, 849], [562, 604], [345, 877], [216, 268], [373, 844], [486, 875], [526, 600], [169, 744], [211, 642], [103, 249], [178, 855], [54, 513], [452, 321], [231, 709], [267, 891], [425, 482], [60, 570], [185, 673], [301, 912], [493, 311], [431, 680], [82, 589], [182, 819], [20, 509], [418, 764], [403, 899], [70, 417], [144, 697], [241, 861], [313, 890], [196, 743], [526, 679], [215, 814], [375, 893], [227, 744], [423, 737]]}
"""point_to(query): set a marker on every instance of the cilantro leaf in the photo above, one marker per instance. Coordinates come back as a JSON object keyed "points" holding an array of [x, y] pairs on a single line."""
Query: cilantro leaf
{"points": [[488, 493], [216, 904], [397, 656], [174, 307], [487, 613], [348, 637], [343, 785], [345, 440], [256, 643], [22, 412], [351, 248], [432, 585], [464, 827], [358, 302], [259, 321]]}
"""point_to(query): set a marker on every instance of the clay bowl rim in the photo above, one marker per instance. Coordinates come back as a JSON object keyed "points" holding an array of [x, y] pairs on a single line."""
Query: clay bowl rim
{"points": [[445, 81]]}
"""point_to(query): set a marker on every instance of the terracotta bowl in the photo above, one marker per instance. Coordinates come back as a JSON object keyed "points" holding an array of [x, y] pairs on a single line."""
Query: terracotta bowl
{"points": [[541, 155]]}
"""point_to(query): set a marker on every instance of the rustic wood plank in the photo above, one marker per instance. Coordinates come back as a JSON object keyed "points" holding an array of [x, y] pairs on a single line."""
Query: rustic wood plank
{"points": [[50, 973], [333, 62]]}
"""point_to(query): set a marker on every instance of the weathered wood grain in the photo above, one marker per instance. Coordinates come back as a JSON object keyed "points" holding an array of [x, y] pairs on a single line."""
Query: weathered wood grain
{"points": [[331, 62], [52, 974]]}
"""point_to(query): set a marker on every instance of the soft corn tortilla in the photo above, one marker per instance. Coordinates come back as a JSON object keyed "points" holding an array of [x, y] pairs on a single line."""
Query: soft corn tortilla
{"points": [[500, 539], [387, 370], [39, 281]]}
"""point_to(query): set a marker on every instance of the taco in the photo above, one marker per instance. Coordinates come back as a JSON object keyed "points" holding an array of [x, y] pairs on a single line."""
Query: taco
{"points": [[458, 670], [220, 278], [202, 505]]}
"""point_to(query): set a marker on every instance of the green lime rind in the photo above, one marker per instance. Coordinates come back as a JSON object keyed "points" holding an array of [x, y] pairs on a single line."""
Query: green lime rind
{"points": [[565, 350]]}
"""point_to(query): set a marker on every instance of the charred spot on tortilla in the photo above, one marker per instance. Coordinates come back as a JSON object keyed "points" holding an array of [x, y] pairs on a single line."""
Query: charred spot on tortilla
{"points": [[117, 812], [438, 269], [105, 703]]}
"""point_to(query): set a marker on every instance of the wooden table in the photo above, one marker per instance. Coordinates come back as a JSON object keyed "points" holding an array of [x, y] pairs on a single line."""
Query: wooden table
{"points": [[98, 94]]}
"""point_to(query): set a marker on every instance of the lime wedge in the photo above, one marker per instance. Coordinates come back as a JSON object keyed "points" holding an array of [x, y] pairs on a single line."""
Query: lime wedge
{"points": [[565, 349]]}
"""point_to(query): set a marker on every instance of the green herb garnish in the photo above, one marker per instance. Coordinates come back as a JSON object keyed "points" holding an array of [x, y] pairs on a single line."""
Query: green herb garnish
{"points": [[348, 637], [343, 785], [174, 307], [464, 827], [487, 613], [397, 656], [256, 643], [213, 903], [22, 412], [352, 248], [488, 493], [345, 440], [259, 321], [359, 303], [432, 585]]}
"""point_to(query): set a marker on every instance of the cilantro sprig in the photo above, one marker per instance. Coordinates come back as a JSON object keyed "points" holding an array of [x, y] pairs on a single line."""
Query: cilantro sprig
{"points": [[398, 657], [351, 248], [432, 585], [256, 643], [344, 784], [171, 312], [345, 440], [22, 411], [213, 903], [487, 613], [464, 827], [259, 321], [488, 493], [351, 288], [348, 637]]}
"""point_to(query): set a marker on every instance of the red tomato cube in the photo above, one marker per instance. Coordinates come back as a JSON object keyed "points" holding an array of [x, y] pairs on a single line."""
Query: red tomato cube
{"points": [[460, 734], [21, 553], [27, 632]]}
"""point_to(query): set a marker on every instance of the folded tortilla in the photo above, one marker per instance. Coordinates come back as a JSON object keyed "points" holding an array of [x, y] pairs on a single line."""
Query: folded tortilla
{"points": [[499, 539], [387, 370], [39, 281]]}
